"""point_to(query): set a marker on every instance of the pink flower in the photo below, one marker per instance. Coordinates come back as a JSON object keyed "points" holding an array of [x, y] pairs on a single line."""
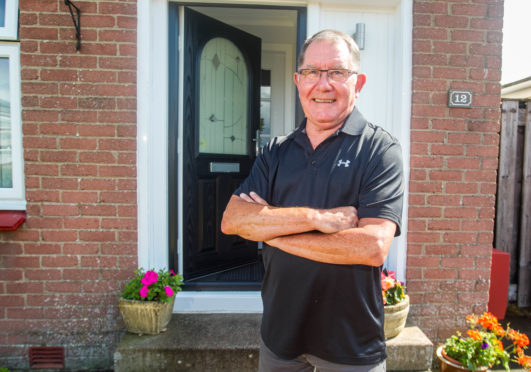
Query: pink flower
{"points": [[149, 278], [144, 291], [168, 291], [172, 272]]}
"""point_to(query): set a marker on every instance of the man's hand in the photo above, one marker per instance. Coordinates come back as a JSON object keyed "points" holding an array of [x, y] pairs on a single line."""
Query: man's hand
{"points": [[253, 198], [333, 220]]}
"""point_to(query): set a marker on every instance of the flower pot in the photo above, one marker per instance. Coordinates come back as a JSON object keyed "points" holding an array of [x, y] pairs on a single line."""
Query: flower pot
{"points": [[395, 317], [145, 317], [448, 364]]}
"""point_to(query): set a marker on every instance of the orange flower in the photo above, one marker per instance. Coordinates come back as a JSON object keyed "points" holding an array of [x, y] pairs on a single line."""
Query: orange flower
{"points": [[524, 361], [473, 334], [488, 321], [498, 344], [387, 283], [518, 338]]}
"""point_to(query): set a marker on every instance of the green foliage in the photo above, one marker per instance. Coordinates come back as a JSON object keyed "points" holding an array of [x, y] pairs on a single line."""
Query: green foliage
{"points": [[392, 289], [2, 369], [151, 286], [474, 353]]}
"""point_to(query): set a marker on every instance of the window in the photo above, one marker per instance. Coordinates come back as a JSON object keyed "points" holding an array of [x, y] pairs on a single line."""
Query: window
{"points": [[11, 163], [8, 19], [223, 90]]}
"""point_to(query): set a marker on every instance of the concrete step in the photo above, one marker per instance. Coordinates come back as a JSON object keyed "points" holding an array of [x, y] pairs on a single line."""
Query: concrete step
{"points": [[230, 342]]}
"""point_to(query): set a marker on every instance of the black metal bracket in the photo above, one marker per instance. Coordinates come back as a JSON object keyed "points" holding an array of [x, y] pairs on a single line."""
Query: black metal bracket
{"points": [[76, 20]]}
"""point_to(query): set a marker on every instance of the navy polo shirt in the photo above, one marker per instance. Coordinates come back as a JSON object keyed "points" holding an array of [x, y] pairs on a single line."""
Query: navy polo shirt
{"points": [[334, 312]]}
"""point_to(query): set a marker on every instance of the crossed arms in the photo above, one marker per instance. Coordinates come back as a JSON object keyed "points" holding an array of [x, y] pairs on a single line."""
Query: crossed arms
{"points": [[334, 236]]}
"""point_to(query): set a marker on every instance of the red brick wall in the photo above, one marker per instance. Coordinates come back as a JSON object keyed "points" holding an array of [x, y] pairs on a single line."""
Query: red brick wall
{"points": [[454, 158], [61, 271]]}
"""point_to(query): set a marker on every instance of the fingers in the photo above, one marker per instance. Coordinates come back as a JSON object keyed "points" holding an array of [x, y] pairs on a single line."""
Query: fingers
{"points": [[258, 199], [253, 198], [246, 198]]}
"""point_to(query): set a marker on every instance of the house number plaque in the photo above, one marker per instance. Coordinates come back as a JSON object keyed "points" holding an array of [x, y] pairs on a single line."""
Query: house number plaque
{"points": [[460, 98]]}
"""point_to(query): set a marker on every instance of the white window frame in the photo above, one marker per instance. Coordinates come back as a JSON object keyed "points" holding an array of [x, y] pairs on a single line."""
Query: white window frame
{"points": [[14, 198], [9, 31]]}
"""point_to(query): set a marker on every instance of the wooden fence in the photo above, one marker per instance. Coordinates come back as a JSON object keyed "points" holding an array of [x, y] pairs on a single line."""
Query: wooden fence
{"points": [[513, 203]]}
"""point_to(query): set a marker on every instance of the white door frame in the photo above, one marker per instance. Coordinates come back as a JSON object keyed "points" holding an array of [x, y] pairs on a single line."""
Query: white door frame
{"points": [[152, 145]]}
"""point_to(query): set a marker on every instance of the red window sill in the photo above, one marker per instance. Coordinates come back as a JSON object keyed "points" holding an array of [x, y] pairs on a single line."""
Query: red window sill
{"points": [[11, 220]]}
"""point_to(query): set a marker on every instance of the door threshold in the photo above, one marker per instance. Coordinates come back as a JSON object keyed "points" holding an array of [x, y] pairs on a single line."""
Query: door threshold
{"points": [[218, 302]]}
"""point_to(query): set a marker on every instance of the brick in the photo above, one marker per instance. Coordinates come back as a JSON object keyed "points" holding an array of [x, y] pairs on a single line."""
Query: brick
{"points": [[41, 169], [99, 21], [447, 149], [425, 261], [57, 102], [119, 36], [131, 22], [444, 225], [98, 210], [81, 248], [24, 287], [80, 274], [38, 33], [465, 61], [448, 124], [425, 187], [59, 236], [478, 225], [444, 200], [96, 236], [79, 197], [445, 175], [430, 7], [78, 143], [59, 183], [431, 59], [100, 261], [459, 237], [462, 188], [78, 170], [97, 130], [449, 73], [59, 286], [467, 35], [97, 103], [57, 129], [42, 196], [28, 60], [24, 313], [479, 201], [117, 63], [43, 274], [488, 49], [463, 163], [49, 156], [54, 19], [465, 138], [479, 10], [9, 274], [117, 8], [429, 111], [424, 237], [481, 176], [440, 274], [457, 262]]}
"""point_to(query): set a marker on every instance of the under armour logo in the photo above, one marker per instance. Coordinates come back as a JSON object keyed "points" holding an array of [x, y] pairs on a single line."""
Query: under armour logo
{"points": [[341, 162]]}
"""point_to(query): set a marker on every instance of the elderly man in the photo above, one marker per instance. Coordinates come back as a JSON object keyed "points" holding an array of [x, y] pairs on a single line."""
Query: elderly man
{"points": [[327, 200]]}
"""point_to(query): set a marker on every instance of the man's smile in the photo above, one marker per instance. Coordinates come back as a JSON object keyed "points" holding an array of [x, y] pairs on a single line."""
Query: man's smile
{"points": [[318, 100]]}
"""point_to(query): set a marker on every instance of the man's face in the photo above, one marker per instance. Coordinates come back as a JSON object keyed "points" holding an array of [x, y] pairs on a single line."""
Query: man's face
{"points": [[325, 102]]}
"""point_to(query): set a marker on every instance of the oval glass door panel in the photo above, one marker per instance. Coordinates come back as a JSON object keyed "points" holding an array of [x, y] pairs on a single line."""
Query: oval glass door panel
{"points": [[223, 92]]}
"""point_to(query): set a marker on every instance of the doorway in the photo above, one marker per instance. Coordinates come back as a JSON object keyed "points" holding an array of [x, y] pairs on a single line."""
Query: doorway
{"points": [[226, 100]]}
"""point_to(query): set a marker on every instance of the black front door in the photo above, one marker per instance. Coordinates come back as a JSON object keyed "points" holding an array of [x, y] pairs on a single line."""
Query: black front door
{"points": [[221, 117]]}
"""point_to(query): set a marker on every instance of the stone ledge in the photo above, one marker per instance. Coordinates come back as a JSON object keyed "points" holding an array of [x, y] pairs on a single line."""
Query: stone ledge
{"points": [[230, 342]]}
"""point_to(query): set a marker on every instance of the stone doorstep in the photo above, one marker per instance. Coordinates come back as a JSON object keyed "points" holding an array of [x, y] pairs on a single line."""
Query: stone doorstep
{"points": [[230, 342]]}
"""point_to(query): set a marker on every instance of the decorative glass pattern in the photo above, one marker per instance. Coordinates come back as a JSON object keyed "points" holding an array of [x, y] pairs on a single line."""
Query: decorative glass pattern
{"points": [[223, 106]]}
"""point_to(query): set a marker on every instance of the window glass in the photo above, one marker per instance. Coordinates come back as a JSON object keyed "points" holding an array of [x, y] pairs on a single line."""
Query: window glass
{"points": [[6, 162], [2, 13], [265, 107], [223, 106]]}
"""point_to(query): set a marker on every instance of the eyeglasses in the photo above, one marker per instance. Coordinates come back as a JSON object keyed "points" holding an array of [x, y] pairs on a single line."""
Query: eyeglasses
{"points": [[339, 75]]}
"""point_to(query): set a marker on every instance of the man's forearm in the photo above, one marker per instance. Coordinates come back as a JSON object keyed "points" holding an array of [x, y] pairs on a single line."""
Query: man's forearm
{"points": [[367, 244], [260, 222]]}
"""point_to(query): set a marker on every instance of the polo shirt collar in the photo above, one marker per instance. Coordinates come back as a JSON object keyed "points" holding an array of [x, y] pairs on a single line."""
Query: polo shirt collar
{"points": [[353, 125]]}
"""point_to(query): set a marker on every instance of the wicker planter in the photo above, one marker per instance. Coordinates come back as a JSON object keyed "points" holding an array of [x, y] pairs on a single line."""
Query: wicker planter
{"points": [[145, 317], [448, 364], [395, 317]]}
